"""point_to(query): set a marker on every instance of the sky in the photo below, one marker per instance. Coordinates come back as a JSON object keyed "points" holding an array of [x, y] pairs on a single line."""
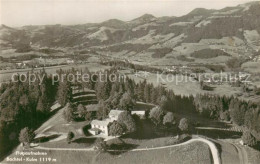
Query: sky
{"points": [[66, 12]]}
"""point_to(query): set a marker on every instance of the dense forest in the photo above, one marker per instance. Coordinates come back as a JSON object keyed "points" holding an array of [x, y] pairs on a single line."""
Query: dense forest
{"points": [[24, 105], [112, 95]]}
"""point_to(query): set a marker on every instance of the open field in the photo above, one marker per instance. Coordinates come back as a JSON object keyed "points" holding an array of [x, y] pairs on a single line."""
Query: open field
{"points": [[6, 75], [233, 152], [252, 67], [193, 152], [253, 155], [196, 152], [228, 152], [56, 129], [11, 53], [184, 85]]}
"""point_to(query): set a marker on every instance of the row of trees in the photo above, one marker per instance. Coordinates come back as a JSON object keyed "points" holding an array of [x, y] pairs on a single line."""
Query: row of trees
{"points": [[29, 101], [229, 108], [125, 93]]}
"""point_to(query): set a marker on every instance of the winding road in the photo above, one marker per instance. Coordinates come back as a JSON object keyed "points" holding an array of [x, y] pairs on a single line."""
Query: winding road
{"points": [[241, 153], [212, 146]]}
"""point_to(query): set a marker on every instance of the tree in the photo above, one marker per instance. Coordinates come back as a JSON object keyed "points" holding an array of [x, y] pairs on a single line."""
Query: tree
{"points": [[64, 92], [24, 100], [126, 120], [147, 93], [252, 119], [102, 111], [184, 125], [22, 47], [68, 113], [115, 129], [82, 112], [115, 100], [237, 111], [88, 116], [234, 63], [249, 139], [224, 115], [103, 88], [127, 102], [42, 105], [154, 95], [26, 136], [70, 136], [100, 145], [18, 108], [156, 115], [164, 103], [169, 119]]}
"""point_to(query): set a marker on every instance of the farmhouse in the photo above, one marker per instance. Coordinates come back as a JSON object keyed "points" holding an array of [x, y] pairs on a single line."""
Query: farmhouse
{"points": [[98, 126], [101, 126], [113, 114]]}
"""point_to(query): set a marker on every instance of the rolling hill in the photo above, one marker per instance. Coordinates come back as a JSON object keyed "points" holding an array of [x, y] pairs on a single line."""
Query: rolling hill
{"points": [[233, 30]]}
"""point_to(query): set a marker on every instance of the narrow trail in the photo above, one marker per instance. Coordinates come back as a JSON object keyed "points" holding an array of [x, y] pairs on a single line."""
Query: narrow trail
{"points": [[213, 148], [241, 153], [64, 149]]}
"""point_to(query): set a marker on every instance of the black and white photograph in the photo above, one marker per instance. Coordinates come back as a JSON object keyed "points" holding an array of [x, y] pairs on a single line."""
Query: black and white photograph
{"points": [[129, 82]]}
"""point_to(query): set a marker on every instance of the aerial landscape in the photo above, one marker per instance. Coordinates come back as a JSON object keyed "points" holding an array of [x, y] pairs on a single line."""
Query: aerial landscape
{"points": [[150, 90]]}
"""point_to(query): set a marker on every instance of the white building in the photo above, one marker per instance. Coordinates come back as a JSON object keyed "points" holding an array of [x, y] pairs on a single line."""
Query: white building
{"points": [[113, 114], [70, 61], [101, 126], [140, 113], [98, 126]]}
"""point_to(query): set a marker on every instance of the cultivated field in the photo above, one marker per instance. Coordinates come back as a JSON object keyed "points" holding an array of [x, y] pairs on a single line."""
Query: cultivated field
{"points": [[184, 85], [6, 75]]}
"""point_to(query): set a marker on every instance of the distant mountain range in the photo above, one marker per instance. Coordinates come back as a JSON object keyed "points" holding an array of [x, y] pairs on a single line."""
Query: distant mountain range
{"points": [[227, 28]]}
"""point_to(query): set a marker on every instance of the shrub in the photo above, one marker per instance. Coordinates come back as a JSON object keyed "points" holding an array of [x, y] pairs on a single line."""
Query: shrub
{"points": [[184, 58], [156, 115], [169, 119], [234, 63], [68, 114], [161, 52], [184, 125], [115, 129], [70, 136], [22, 47], [126, 120], [26, 136], [100, 145], [249, 139], [208, 53], [224, 115]]}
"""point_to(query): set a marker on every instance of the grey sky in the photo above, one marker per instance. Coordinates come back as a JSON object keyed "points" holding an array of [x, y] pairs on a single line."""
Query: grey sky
{"points": [[39, 12]]}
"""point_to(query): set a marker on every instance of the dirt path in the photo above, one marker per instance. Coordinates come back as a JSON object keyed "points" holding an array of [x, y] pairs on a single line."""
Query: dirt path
{"points": [[241, 153], [50, 122], [213, 148], [64, 149], [235, 129]]}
